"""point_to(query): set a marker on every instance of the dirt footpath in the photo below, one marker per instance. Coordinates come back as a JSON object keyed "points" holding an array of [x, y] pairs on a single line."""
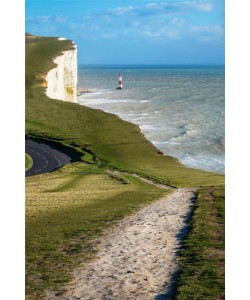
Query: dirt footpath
{"points": [[137, 258]]}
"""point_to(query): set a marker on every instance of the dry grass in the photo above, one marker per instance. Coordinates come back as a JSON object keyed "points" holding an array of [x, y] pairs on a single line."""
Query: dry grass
{"points": [[57, 191]]}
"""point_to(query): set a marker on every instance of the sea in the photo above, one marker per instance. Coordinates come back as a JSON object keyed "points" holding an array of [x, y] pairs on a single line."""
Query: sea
{"points": [[180, 109]]}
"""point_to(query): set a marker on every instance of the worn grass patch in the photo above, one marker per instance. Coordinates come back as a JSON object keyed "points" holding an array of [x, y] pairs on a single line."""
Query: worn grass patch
{"points": [[202, 257], [65, 211]]}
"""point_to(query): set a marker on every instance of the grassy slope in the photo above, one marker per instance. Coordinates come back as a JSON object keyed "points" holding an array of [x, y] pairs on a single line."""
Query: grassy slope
{"points": [[202, 258], [67, 208], [117, 143]]}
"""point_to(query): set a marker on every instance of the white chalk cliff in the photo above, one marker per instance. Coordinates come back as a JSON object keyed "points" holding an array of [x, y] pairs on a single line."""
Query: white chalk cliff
{"points": [[61, 81]]}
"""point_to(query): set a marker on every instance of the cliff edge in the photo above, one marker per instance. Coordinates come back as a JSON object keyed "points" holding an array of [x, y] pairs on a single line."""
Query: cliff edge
{"points": [[61, 81]]}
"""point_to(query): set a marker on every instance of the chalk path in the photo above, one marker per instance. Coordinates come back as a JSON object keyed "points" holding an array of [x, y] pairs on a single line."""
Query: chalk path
{"points": [[137, 258]]}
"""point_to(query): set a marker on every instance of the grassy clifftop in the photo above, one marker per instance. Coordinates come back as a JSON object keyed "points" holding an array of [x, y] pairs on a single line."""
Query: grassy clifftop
{"points": [[113, 142]]}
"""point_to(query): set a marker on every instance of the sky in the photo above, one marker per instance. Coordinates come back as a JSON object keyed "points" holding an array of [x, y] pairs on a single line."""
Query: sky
{"points": [[134, 32]]}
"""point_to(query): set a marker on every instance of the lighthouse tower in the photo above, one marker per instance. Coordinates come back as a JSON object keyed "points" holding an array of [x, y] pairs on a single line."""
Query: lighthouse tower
{"points": [[119, 82]]}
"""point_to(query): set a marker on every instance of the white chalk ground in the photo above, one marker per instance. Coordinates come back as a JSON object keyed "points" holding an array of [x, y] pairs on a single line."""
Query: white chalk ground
{"points": [[137, 258]]}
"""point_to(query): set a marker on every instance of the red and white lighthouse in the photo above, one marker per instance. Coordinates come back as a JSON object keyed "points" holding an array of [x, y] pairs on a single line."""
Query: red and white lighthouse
{"points": [[119, 82]]}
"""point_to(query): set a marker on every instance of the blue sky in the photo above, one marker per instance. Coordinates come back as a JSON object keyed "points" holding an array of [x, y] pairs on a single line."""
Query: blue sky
{"points": [[138, 31]]}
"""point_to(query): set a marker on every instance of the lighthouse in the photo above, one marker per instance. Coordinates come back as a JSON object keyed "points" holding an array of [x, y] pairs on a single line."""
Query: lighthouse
{"points": [[119, 82]]}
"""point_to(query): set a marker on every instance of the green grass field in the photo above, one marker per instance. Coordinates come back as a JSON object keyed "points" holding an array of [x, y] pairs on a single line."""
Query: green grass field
{"points": [[67, 209]]}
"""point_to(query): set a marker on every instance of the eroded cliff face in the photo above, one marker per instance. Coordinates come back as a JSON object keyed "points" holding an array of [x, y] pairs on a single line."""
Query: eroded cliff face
{"points": [[61, 81]]}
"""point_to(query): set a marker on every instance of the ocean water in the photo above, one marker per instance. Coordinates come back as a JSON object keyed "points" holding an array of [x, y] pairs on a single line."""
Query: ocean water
{"points": [[180, 109]]}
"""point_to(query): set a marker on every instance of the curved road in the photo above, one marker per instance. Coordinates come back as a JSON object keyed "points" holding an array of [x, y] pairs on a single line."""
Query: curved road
{"points": [[45, 159]]}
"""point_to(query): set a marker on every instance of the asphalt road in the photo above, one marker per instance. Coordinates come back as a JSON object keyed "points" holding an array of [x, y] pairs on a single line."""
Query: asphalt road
{"points": [[45, 159]]}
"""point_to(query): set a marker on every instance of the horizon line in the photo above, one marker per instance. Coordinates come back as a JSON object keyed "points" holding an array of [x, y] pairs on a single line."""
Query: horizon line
{"points": [[152, 64]]}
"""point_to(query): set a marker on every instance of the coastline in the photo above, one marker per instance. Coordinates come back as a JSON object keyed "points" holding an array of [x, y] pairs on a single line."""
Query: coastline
{"points": [[168, 116], [158, 151], [110, 134]]}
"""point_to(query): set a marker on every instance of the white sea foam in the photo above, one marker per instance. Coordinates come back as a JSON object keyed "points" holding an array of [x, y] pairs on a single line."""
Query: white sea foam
{"points": [[212, 163], [100, 101], [151, 128]]}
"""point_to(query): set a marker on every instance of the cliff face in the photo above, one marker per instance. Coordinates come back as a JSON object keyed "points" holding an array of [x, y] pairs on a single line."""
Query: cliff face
{"points": [[62, 80]]}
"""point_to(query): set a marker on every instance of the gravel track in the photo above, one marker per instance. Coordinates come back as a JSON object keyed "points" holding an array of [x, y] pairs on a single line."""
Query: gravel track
{"points": [[136, 259]]}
